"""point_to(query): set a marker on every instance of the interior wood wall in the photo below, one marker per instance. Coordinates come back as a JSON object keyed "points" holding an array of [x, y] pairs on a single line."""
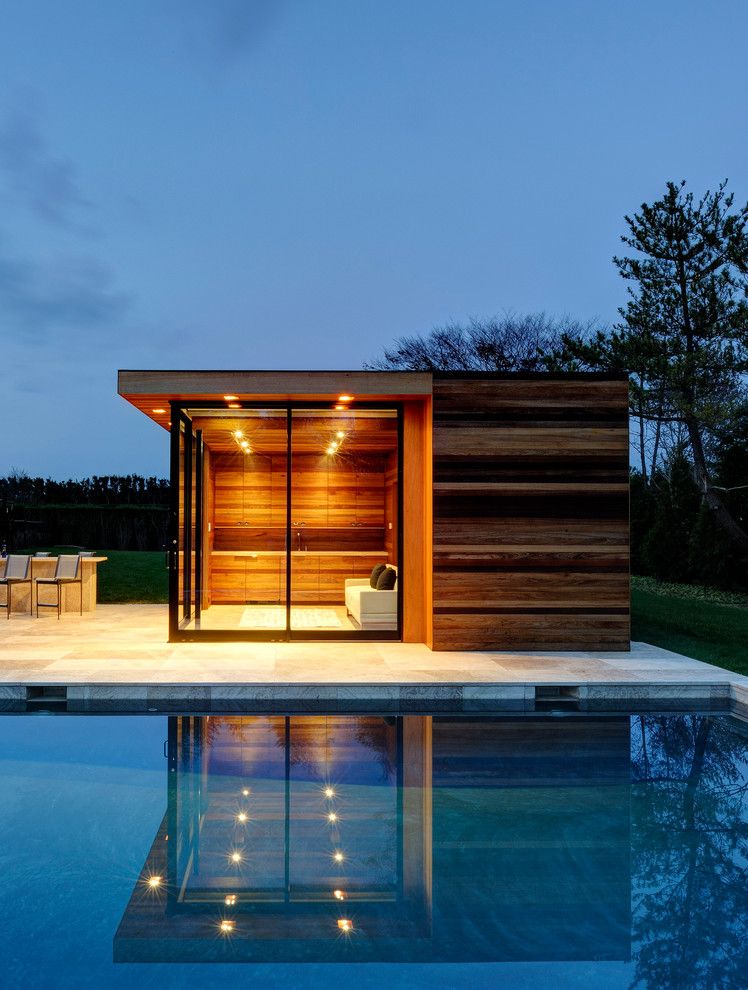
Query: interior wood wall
{"points": [[391, 508], [339, 500], [530, 514], [208, 527]]}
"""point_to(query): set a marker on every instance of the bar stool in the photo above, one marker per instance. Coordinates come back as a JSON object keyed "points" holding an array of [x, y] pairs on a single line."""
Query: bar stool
{"points": [[16, 572], [68, 571]]}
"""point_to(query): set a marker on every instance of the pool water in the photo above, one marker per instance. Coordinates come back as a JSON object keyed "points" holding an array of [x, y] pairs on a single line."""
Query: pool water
{"points": [[315, 851]]}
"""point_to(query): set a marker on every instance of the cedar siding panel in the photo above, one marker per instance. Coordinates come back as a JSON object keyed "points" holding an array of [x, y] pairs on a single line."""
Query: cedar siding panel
{"points": [[530, 514]]}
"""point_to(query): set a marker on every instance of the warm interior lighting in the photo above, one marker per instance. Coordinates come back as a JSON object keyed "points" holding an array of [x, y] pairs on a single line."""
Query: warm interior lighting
{"points": [[340, 434], [154, 882], [345, 398], [338, 856], [230, 398], [158, 410], [332, 817], [236, 857], [340, 407], [234, 405], [242, 817], [238, 434], [345, 924], [227, 926], [329, 792], [229, 900], [339, 895], [245, 791]]}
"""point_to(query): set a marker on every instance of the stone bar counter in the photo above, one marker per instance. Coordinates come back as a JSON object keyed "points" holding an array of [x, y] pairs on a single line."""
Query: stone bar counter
{"points": [[45, 567]]}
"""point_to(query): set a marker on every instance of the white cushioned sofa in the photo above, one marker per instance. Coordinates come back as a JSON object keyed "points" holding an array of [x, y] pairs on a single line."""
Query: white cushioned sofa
{"points": [[370, 608]]}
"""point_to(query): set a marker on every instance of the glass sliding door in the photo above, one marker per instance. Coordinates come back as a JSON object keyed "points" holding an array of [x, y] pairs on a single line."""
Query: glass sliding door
{"points": [[243, 521], [282, 513], [185, 555], [344, 521]]}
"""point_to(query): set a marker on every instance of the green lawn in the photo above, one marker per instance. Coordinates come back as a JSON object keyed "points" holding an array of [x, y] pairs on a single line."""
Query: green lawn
{"points": [[133, 576], [697, 626]]}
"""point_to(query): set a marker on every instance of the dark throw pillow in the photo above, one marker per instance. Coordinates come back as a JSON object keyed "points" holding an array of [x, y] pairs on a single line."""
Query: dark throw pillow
{"points": [[375, 572], [387, 579]]}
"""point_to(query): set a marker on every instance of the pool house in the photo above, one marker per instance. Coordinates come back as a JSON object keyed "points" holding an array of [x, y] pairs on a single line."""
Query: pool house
{"points": [[464, 511]]}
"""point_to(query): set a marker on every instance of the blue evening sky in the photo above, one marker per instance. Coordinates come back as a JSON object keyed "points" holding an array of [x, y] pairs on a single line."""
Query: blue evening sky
{"points": [[294, 183]]}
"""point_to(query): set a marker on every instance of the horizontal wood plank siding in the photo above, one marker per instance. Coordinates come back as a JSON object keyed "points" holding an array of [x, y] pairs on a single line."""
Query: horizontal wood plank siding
{"points": [[530, 530], [341, 501]]}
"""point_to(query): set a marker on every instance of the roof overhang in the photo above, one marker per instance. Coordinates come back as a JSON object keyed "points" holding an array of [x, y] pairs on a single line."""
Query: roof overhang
{"points": [[152, 391]]}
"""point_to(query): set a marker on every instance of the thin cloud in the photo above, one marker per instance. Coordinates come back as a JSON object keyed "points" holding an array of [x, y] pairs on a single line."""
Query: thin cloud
{"points": [[47, 184], [227, 29], [37, 299]]}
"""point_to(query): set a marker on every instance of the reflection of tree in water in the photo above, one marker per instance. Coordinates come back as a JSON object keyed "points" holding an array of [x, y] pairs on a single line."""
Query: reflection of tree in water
{"points": [[689, 853], [236, 727], [379, 736], [316, 741]]}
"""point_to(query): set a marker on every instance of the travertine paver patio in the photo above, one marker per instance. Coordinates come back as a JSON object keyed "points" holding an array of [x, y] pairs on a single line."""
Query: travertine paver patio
{"points": [[122, 651]]}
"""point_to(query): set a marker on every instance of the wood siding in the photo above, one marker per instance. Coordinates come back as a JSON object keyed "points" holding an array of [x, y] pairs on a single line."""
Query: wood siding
{"points": [[530, 529]]}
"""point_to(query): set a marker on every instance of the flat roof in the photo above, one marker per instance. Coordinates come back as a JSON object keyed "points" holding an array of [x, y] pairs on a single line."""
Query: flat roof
{"points": [[152, 390]]}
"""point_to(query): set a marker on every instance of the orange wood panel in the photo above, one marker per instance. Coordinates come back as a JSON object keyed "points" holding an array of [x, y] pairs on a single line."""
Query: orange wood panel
{"points": [[417, 522]]}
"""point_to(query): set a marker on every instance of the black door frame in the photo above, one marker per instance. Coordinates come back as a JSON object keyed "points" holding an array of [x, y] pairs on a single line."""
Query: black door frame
{"points": [[176, 633], [191, 598]]}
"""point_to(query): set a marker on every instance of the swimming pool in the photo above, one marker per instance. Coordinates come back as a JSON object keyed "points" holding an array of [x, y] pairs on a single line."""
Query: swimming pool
{"points": [[307, 851]]}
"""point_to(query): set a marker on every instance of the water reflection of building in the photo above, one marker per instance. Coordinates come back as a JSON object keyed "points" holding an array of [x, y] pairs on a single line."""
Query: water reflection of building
{"points": [[430, 839]]}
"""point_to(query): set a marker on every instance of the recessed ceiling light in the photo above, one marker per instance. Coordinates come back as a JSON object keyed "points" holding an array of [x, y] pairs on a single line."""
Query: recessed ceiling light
{"points": [[238, 434], [158, 410], [345, 924], [228, 926], [230, 398], [345, 398], [154, 882], [340, 434]]}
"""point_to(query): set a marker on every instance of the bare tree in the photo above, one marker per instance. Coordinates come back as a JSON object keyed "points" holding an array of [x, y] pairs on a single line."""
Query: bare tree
{"points": [[500, 343]]}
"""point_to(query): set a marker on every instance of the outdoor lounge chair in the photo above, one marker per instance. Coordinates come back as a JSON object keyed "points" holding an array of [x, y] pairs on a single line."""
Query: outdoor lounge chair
{"points": [[16, 572], [68, 571]]}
